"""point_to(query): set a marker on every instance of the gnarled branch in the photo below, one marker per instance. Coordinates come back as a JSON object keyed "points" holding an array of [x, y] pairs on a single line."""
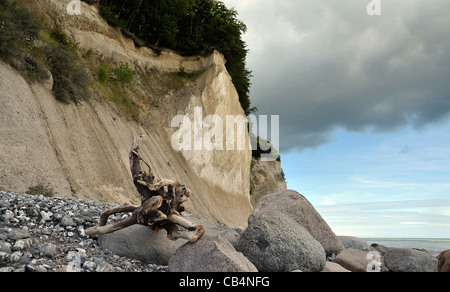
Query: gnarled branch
{"points": [[161, 204]]}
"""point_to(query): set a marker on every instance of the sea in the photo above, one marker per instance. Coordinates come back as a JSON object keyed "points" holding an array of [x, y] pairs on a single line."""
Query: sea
{"points": [[433, 245]]}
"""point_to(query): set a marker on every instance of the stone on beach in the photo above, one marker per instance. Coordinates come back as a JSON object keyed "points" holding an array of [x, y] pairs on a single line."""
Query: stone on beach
{"points": [[140, 242], [210, 254], [444, 261], [274, 242], [17, 233], [379, 248], [410, 260], [39, 234], [354, 242], [48, 250], [354, 260], [297, 207], [331, 267]]}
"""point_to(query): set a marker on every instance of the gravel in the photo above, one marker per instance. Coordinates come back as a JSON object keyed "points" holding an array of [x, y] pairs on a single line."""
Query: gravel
{"points": [[40, 234]]}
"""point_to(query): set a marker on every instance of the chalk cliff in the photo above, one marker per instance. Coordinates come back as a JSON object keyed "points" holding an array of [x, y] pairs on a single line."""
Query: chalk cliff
{"points": [[82, 150]]}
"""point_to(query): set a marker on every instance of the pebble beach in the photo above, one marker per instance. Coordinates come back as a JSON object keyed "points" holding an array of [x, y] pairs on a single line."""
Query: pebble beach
{"points": [[41, 234]]}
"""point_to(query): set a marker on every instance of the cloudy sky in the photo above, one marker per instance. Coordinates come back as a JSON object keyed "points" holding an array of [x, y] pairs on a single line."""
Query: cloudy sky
{"points": [[364, 106]]}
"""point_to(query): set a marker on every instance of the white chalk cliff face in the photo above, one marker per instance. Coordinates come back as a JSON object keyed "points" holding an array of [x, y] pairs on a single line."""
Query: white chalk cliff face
{"points": [[82, 150]]}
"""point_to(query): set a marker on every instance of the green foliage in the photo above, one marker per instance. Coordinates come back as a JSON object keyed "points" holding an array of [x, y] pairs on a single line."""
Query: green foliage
{"points": [[118, 94], [41, 189], [18, 28], [18, 31], [263, 144], [58, 35], [188, 27], [123, 74], [113, 84], [182, 71], [69, 73], [102, 73], [283, 175]]}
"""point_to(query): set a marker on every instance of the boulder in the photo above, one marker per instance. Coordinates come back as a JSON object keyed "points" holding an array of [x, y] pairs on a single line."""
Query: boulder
{"points": [[379, 248], [354, 242], [331, 267], [297, 207], [274, 242], [209, 254], [141, 243], [410, 260], [48, 250], [212, 229], [354, 260], [444, 261]]}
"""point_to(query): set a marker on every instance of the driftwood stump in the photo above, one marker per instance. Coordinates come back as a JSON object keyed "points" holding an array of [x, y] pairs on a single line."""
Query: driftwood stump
{"points": [[161, 206]]}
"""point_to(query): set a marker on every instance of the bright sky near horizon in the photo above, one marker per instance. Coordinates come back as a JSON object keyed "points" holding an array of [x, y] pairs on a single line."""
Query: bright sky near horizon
{"points": [[364, 106]]}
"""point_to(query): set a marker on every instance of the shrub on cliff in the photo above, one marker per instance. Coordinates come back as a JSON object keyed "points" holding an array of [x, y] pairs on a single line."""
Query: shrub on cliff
{"points": [[69, 74], [19, 30]]}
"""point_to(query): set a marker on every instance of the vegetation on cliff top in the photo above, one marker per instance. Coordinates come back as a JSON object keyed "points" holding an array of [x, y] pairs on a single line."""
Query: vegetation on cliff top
{"points": [[188, 27]]}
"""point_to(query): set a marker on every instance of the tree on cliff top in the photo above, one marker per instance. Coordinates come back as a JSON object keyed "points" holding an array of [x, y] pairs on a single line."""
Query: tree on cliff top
{"points": [[188, 27]]}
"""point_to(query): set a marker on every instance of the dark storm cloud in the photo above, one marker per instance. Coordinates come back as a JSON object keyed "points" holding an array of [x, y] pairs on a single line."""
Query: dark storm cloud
{"points": [[325, 64]]}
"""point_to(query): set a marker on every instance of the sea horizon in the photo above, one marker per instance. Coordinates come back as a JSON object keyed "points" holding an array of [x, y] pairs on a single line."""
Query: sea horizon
{"points": [[408, 238], [433, 245]]}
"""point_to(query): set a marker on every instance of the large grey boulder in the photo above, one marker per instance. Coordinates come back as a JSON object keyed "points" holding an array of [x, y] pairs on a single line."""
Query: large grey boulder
{"points": [[354, 260], [274, 242], [140, 242], [444, 261], [331, 267], [379, 248], [209, 254], [354, 242], [214, 230], [297, 207], [410, 260]]}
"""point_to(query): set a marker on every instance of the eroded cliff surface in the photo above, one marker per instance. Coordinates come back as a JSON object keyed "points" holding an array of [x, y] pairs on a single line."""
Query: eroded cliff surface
{"points": [[266, 177], [82, 150]]}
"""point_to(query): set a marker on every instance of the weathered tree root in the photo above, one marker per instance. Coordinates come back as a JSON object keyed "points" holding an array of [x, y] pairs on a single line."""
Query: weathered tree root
{"points": [[161, 207]]}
